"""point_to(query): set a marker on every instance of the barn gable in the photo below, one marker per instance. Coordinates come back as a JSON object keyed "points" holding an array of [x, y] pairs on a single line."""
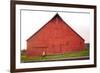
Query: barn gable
{"points": [[57, 17]]}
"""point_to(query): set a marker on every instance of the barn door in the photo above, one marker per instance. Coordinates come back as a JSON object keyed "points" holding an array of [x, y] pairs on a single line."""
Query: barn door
{"points": [[43, 53]]}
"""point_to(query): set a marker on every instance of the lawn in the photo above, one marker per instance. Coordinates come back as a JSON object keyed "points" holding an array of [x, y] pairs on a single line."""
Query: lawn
{"points": [[72, 55]]}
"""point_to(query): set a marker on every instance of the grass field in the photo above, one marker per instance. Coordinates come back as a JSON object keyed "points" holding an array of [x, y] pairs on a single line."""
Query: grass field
{"points": [[80, 54]]}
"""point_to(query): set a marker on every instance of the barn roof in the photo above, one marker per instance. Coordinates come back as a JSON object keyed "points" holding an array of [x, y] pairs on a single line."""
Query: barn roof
{"points": [[56, 16]]}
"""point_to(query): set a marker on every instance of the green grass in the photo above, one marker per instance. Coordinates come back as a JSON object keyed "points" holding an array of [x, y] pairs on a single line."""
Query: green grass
{"points": [[79, 54]]}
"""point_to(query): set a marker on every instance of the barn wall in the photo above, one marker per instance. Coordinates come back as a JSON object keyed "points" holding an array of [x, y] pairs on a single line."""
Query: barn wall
{"points": [[72, 46]]}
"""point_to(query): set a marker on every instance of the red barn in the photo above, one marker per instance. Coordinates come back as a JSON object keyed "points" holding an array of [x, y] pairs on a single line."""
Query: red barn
{"points": [[55, 37]]}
